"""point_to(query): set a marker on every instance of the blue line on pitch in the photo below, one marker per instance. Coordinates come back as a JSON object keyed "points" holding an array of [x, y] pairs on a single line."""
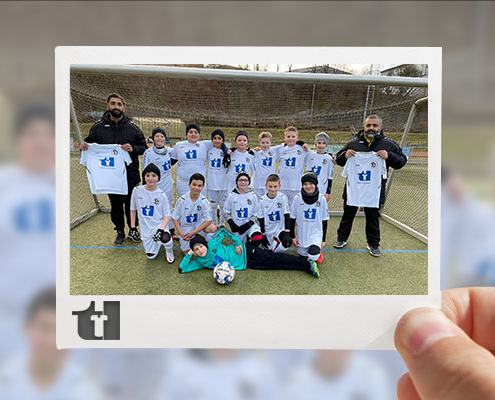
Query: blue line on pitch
{"points": [[330, 250]]}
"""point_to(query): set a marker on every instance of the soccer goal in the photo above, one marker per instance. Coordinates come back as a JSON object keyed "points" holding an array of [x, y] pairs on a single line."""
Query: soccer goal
{"points": [[171, 97]]}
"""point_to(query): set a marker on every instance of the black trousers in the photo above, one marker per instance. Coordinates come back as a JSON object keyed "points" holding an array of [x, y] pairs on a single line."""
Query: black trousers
{"points": [[372, 224], [120, 204], [265, 259]]}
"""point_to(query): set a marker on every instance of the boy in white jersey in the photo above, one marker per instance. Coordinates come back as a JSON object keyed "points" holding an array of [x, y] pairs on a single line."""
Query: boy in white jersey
{"points": [[217, 175], [192, 213], [291, 167], [309, 217], [274, 216], [321, 163], [154, 215], [241, 159], [191, 156], [241, 209], [265, 162]]}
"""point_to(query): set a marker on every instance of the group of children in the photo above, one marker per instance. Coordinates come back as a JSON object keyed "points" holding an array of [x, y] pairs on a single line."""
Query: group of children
{"points": [[286, 207]]}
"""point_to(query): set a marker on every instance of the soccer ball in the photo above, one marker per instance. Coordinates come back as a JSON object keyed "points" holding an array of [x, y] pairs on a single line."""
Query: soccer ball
{"points": [[224, 273]]}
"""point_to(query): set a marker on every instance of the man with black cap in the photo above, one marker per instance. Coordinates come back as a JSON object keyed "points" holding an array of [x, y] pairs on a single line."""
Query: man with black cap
{"points": [[116, 128], [370, 139]]}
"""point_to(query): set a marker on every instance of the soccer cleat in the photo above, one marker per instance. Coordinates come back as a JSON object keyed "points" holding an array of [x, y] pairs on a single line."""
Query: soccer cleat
{"points": [[170, 255], [320, 259], [120, 238], [339, 244], [134, 235], [314, 268], [374, 251]]}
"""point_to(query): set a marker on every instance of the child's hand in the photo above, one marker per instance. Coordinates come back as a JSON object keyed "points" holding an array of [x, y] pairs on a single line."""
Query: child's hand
{"points": [[333, 158], [322, 245], [295, 242], [229, 152], [190, 252], [238, 250], [257, 148], [327, 197], [305, 147], [187, 236]]}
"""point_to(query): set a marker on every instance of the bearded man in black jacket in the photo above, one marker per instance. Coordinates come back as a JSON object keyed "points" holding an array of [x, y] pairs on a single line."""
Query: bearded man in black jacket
{"points": [[116, 128], [371, 138]]}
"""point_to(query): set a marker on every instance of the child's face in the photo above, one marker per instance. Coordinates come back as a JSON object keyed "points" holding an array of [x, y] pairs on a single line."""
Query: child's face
{"points": [[196, 186], [217, 141], [159, 140], [265, 144], [200, 250], [321, 146], [151, 178], [309, 187], [291, 138], [272, 188], [243, 183], [241, 143], [192, 135]]}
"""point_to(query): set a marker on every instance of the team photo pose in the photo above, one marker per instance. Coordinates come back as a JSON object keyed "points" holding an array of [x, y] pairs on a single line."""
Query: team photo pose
{"points": [[274, 216], [153, 207], [192, 213], [116, 128], [366, 160], [241, 159], [217, 175], [265, 162], [191, 157], [321, 163], [241, 209], [309, 219], [240, 256]]}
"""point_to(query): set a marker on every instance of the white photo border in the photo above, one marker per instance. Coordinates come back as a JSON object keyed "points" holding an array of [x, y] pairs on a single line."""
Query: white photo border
{"points": [[245, 321]]}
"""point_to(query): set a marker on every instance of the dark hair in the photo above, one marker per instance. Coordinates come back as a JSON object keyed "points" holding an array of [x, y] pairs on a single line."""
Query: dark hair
{"points": [[32, 112], [272, 178], [197, 177], [46, 298], [151, 168], [116, 95]]}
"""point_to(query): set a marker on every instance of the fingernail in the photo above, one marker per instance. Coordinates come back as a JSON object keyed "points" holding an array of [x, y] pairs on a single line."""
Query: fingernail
{"points": [[422, 329]]}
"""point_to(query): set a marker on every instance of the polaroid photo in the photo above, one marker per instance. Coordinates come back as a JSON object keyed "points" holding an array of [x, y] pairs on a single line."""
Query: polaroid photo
{"points": [[245, 197]]}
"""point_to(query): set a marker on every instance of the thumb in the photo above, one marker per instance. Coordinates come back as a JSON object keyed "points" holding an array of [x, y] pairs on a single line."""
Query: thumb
{"points": [[443, 362]]}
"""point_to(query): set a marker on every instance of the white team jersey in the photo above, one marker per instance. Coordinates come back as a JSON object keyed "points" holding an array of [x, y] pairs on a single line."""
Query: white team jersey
{"points": [[191, 158], [191, 214], [291, 167], [322, 165], [364, 172], [241, 207], [105, 168], [309, 218], [239, 162], [152, 207], [163, 162], [217, 173], [265, 163], [273, 211]]}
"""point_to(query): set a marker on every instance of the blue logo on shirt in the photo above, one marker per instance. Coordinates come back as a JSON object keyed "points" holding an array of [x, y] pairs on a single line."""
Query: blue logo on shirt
{"points": [[36, 217], [191, 155], [316, 169], [240, 167], [191, 218], [310, 213], [290, 162], [267, 162], [148, 211], [365, 176], [166, 165], [242, 212], [274, 216], [216, 162], [107, 162]]}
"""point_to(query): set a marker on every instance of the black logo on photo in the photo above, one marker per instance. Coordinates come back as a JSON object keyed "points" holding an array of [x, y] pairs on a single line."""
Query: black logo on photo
{"points": [[99, 325]]}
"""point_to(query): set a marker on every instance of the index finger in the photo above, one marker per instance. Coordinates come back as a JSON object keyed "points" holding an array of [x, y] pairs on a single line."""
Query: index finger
{"points": [[473, 310]]}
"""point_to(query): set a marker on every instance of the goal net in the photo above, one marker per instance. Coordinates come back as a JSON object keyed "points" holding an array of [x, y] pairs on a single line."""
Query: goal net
{"points": [[231, 100]]}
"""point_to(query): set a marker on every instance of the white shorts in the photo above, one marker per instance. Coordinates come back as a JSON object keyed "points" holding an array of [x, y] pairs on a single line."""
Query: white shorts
{"points": [[217, 196], [152, 247], [290, 194], [245, 236], [303, 251], [259, 192]]}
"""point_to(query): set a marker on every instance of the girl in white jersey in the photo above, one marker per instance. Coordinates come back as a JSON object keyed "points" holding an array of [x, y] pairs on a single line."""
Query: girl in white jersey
{"points": [[309, 216], [241, 159], [217, 175], [191, 156]]}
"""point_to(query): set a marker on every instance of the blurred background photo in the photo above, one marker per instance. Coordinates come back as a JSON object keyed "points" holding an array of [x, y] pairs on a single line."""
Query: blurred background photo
{"points": [[30, 32]]}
